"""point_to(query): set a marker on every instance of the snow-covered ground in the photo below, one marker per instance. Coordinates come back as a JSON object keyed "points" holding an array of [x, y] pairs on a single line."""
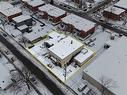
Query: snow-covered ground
{"points": [[12, 91], [111, 65], [19, 88]]}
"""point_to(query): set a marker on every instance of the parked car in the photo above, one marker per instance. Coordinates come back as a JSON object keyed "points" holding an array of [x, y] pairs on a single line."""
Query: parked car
{"points": [[91, 44], [92, 39], [82, 87], [87, 42]]}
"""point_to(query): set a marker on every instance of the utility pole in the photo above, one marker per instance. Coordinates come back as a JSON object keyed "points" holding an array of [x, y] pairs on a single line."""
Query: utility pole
{"points": [[23, 40], [65, 69]]}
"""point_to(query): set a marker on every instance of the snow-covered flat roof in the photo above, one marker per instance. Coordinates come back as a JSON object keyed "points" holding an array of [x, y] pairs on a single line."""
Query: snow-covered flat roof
{"points": [[122, 4], [11, 11], [55, 37], [22, 27], [21, 18], [84, 55], [78, 22], [65, 46], [15, 33], [115, 10], [5, 5], [37, 32], [34, 3], [113, 65], [46, 7], [52, 10]]}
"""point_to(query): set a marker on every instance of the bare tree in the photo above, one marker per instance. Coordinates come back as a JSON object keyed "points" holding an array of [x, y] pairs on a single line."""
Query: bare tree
{"points": [[20, 81], [107, 83], [27, 75]]}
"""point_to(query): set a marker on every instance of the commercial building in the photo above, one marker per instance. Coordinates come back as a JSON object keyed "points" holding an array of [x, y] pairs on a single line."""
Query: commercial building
{"points": [[84, 56], [81, 26], [33, 4], [114, 13], [23, 28], [58, 51], [15, 33], [10, 13], [63, 48], [52, 13], [110, 67], [22, 19]]}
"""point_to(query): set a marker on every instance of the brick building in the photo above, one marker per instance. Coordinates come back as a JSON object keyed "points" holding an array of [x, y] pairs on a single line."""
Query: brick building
{"points": [[81, 26], [52, 13], [33, 4], [114, 13]]}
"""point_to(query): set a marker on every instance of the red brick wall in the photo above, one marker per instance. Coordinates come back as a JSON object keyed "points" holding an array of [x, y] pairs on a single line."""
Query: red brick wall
{"points": [[9, 18], [112, 15], [70, 28], [83, 34], [58, 19], [44, 15]]}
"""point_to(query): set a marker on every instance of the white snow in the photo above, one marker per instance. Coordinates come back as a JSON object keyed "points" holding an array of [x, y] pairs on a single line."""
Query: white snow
{"points": [[59, 72], [34, 3], [8, 10], [115, 10], [22, 27], [62, 49], [84, 55], [52, 10], [122, 4], [4, 78], [5, 5], [65, 47], [112, 64], [37, 32], [11, 31], [11, 11], [4, 74], [21, 18], [78, 22]]}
